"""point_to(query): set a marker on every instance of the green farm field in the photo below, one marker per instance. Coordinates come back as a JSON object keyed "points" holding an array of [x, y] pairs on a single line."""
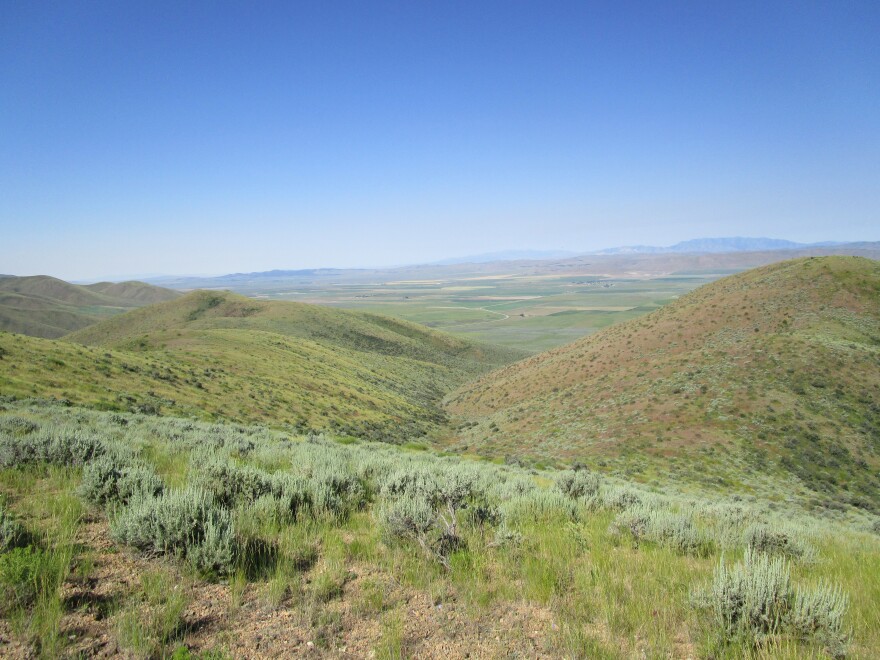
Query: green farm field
{"points": [[531, 313]]}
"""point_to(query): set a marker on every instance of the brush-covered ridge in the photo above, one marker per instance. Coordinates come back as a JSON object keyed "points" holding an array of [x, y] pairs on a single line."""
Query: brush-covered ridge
{"points": [[764, 381], [43, 306], [217, 355]]}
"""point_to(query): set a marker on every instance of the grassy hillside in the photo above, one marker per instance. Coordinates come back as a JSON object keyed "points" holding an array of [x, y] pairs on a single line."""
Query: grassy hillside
{"points": [[133, 291], [767, 381], [137, 536], [43, 306], [219, 355]]}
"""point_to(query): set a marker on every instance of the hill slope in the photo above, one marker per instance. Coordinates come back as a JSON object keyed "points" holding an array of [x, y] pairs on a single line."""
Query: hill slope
{"points": [[43, 306], [219, 355], [769, 375]]}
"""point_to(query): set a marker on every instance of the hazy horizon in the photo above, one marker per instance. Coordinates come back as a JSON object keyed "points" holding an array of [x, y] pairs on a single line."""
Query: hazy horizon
{"points": [[212, 139]]}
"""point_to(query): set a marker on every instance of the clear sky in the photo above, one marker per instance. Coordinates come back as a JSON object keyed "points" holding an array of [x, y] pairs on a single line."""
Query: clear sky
{"points": [[215, 137]]}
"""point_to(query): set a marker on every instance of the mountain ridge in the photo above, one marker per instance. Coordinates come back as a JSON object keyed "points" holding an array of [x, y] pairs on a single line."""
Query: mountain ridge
{"points": [[45, 306], [217, 355], [767, 373]]}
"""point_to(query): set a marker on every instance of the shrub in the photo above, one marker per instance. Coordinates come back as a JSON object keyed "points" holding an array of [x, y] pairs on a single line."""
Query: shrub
{"points": [[578, 483], [336, 493], [668, 528], [185, 523], [110, 480], [618, 498], [12, 533], [408, 517], [228, 483], [819, 612], [415, 518], [15, 425], [413, 482], [512, 487], [754, 599], [775, 540], [292, 494], [56, 446]]}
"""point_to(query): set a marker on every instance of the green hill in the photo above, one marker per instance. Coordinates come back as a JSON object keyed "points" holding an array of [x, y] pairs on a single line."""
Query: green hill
{"points": [[43, 306], [219, 355], [767, 381], [133, 291]]}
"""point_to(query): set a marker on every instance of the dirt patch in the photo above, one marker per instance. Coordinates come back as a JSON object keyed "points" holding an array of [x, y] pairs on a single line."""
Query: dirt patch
{"points": [[408, 619]]}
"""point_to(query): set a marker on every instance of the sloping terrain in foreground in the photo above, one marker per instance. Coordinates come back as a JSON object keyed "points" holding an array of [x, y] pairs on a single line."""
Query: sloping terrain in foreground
{"points": [[43, 306], [136, 536], [766, 381], [216, 355]]}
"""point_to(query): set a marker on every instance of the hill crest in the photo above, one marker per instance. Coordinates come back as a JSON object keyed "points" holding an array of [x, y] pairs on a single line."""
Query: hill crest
{"points": [[773, 368]]}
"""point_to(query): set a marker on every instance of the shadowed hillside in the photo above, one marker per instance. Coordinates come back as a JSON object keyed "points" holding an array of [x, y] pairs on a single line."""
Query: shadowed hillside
{"points": [[43, 306], [219, 355], [764, 378]]}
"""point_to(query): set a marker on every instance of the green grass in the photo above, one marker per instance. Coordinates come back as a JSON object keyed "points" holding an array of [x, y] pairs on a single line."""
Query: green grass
{"points": [[760, 383], [42, 306], [527, 313], [596, 592], [32, 577], [152, 622], [219, 356]]}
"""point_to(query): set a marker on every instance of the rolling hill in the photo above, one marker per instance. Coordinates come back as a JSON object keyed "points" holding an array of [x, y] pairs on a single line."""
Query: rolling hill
{"points": [[43, 306], [766, 381], [217, 355]]}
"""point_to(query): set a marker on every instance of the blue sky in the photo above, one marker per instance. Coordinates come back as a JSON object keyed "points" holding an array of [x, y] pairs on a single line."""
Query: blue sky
{"points": [[220, 137]]}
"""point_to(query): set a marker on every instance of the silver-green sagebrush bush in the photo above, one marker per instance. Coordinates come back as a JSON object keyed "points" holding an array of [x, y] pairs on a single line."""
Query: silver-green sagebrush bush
{"points": [[229, 484], [408, 517], [778, 539], [578, 483], [753, 602], [56, 445], [672, 529], [12, 532], [111, 479], [185, 523]]}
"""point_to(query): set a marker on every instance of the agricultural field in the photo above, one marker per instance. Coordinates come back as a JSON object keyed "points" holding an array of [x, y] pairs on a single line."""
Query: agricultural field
{"points": [[526, 312], [133, 535]]}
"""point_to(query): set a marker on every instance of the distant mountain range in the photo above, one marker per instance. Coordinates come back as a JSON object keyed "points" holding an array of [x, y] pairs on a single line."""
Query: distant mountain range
{"points": [[693, 246], [506, 255], [716, 245]]}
